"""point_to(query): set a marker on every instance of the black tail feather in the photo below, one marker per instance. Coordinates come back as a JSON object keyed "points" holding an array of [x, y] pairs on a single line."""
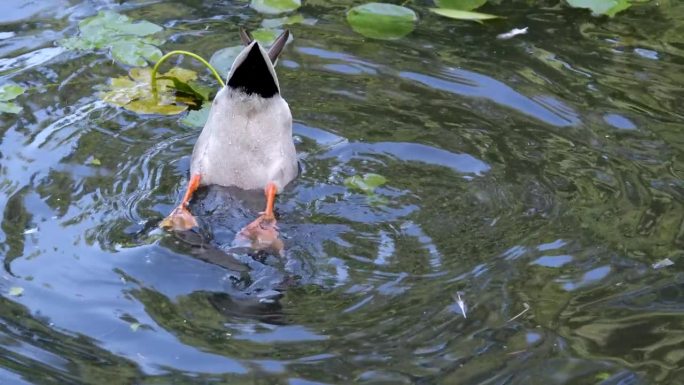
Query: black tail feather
{"points": [[253, 75]]}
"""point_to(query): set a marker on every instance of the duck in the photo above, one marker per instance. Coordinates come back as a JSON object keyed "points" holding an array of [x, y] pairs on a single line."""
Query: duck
{"points": [[246, 142]]}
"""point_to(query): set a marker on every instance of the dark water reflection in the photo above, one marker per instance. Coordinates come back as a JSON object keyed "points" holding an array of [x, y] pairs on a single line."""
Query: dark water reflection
{"points": [[541, 172]]}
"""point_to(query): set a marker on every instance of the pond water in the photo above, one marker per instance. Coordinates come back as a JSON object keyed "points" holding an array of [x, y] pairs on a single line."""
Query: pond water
{"points": [[539, 175]]}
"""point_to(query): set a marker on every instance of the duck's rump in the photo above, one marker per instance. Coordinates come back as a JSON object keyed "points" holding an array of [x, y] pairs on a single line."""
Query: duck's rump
{"points": [[247, 143]]}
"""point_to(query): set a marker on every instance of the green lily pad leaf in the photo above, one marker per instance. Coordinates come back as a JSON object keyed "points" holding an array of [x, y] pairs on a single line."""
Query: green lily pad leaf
{"points": [[287, 20], [134, 92], [185, 86], [9, 92], [111, 22], [275, 6], [382, 20], [93, 161], [366, 183], [10, 108], [200, 89], [197, 118], [601, 7], [223, 59], [16, 291], [128, 41], [266, 36], [463, 15], [463, 5], [135, 52]]}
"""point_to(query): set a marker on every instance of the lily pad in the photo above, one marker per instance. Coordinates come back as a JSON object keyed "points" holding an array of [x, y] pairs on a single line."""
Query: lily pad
{"points": [[266, 36], [223, 59], [287, 20], [93, 161], [601, 7], [197, 118], [463, 15], [129, 42], [135, 52], [134, 92], [463, 5], [366, 183], [275, 6], [9, 92], [382, 20]]}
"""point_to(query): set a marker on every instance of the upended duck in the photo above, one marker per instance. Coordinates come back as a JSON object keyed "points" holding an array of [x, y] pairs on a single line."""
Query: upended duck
{"points": [[246, 142]]}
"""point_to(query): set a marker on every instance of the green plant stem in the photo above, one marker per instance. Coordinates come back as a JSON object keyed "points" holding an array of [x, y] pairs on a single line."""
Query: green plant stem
{"points": [[179, 52]]}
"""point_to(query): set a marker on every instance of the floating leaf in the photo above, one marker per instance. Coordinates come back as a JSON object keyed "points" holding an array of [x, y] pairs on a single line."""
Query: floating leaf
{"points": [[463, 5], [266, 36], [463, 15], [601, 7], [10, 108], [197, 118], [9, 92], [382, 20], [135, 52], [602, 376], [127, 40], [16, 291], [193, 89], [94, 161], [223, 59], [367, 183], [135, 326], [275, 6], [287, 20], [134, 92]]}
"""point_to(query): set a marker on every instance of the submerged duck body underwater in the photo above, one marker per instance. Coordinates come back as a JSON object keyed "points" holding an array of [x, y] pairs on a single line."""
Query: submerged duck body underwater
{"points": [[246, 143]]}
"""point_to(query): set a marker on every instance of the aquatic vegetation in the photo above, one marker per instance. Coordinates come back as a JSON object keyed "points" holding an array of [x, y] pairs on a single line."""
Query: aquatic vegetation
{"points": [[602, 7], [390, 21], [197, 118], [366, 183], [9, 92], [134, 92], [463, 5], [275, 6], [382, 20], [463, 15], [287, 20], [128, 42]]}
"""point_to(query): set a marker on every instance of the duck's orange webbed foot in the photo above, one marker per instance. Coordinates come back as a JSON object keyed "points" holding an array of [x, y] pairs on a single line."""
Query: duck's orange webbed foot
{"points": [[180, 218], [262, 233]]}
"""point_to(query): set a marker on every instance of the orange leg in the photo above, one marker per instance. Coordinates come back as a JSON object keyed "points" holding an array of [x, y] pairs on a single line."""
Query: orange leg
{"points": [[180, 218], [262, 233], [270, 191]]}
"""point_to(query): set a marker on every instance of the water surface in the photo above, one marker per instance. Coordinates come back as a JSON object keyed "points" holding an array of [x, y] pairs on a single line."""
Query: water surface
{"points": [[541, 172]]}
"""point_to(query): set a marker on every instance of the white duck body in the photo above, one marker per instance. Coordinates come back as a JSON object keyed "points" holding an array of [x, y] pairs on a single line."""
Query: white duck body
{"points": [[247, 139]]}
